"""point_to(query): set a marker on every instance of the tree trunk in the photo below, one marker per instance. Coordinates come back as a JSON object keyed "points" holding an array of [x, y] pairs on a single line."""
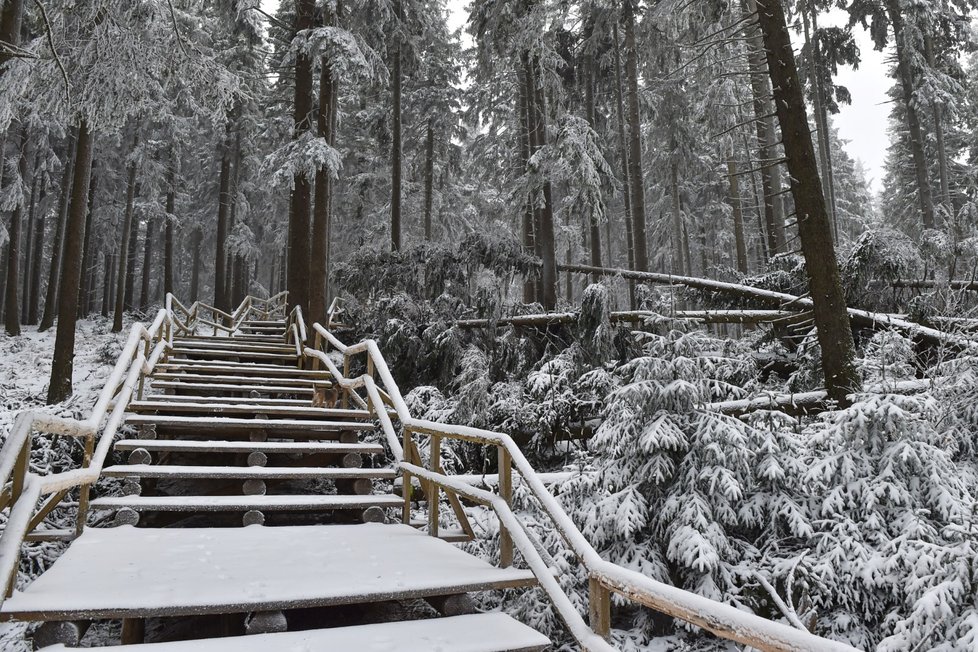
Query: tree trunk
{"points": [[429, 178], [108, 265], [11, 17], [195, 272], [131, 255], [54, 272], [623, 149], [88, 267], [396, 133], [678, 266], [144, 288], [814, 229], [299, 213], [59, 387], [636, 177], [942, 164], [171, 206], [821, 114], [905, 71], [125, 243], [11, 315], [37, 258], [525, 124], [595, 234], [221, 238], [545, 241], [766, 138], [31, 228], [319, 263], [738, 216]]}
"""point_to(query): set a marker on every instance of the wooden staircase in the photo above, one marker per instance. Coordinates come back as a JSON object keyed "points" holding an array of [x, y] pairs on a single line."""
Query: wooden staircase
{"points": [[233, 432], [257, 479]]}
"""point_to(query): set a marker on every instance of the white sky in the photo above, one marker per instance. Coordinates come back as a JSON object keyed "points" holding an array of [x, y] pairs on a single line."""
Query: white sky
{"points": [[863, 123]]}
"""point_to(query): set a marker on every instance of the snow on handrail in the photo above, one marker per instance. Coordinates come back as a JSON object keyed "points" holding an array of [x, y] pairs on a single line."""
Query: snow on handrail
{"points": [[723, 620]]}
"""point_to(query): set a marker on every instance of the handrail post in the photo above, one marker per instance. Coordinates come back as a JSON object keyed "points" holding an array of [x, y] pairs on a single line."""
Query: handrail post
{"points": [[20, 468], [434, 491], [142, 376], [506, 493], [84, 491], [316, 346], [407, 486], [346, 374], [599, 608]]}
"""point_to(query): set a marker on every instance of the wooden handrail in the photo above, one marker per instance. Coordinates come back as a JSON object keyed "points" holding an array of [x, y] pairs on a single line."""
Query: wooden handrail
{"points": [[605, 577], [144, 348]]}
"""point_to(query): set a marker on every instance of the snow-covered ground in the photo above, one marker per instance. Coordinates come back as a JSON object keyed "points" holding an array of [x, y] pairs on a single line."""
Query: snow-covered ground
{"points": [[25, 368]]}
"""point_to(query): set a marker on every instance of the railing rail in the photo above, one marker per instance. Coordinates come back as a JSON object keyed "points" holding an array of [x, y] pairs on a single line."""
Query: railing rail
{"points": [[384, 400], [21, 489]]}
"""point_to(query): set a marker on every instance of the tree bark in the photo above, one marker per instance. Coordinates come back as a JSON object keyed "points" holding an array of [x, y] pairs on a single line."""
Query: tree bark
{"points": [[905, 71], [62, 363], [221, 299], [942, 159], [525, 127], [54, 272], [131, 255], [37, 258], [11, 315], [595, 234], [429, 178], [171, 201], [678, 266], [814, 229], [88, 267], [545, 240], [125, 243], [636, 180], [319, 262], [299, 213], [195, 273], [766, 138], [396, 133], [30, 227], [623, 149], [144, 288], [11, 17], [738, 216]]}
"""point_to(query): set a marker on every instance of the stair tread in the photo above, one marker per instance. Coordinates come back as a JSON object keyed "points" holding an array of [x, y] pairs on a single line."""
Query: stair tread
{"points": [[275, 502], [485, 632], [242, 472], [218, 406], [238, 379], [241, 345], [260, 424], [222, 446], [182, 350], [226, 367], [226, 387], [297, 402], [141, 572]]}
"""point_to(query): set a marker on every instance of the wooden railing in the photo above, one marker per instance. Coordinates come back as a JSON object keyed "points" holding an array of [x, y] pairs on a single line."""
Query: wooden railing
{"points": [[383, 399], [219, 320], [20, 489]]}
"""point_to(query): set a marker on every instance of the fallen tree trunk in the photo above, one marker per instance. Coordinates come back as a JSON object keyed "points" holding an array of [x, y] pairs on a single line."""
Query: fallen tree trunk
{"points": [[927, 285], [804, 403], [702, 316], [782, 301]]}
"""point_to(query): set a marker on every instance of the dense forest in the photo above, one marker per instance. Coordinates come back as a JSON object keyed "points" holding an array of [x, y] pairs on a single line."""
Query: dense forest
{"points": [[626, 233]]}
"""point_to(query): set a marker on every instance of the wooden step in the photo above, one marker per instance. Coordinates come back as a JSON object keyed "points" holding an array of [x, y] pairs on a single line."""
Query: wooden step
{"points": [[240, 379], [265, 503], [261, 401], [221, 446], [244, 472], [130, 572], [485, 632], [227, 353], [227, 387], [278, 347], [239, 368], [207, 424], [219, 407]]}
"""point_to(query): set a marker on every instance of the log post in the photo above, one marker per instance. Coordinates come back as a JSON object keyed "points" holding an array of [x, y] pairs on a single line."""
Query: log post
{"points": [[434, 491], [506, 493], [599, 608]]}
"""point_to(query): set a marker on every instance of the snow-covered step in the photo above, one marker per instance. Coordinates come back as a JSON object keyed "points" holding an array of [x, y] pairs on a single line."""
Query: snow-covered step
{"points": [[236, 346], [487, 632], [238, 368], [261, 503], [229, 353], [261, 401], [203, 424], [220, 407], [237, 378], [129, 572], [243, 386], [268, 447], [244, 472]]}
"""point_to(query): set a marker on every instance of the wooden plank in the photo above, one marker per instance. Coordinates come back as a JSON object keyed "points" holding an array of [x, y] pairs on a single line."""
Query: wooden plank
{"points": [[243, 472], [219, 406], [221, 446], [238, 379], [266, 503], [222, 387], [128, 572], [202, 423]]}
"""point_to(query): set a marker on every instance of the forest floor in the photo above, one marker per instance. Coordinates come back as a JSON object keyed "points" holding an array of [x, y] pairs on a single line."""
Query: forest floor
{"points": [[25, 368]]}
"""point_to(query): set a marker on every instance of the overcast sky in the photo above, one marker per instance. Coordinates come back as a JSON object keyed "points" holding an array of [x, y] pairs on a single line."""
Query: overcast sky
{"points": [[863, 123]]}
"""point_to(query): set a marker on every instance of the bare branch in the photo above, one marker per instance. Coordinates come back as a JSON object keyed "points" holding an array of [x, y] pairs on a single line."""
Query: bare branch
{"points": [[54, 52]]}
